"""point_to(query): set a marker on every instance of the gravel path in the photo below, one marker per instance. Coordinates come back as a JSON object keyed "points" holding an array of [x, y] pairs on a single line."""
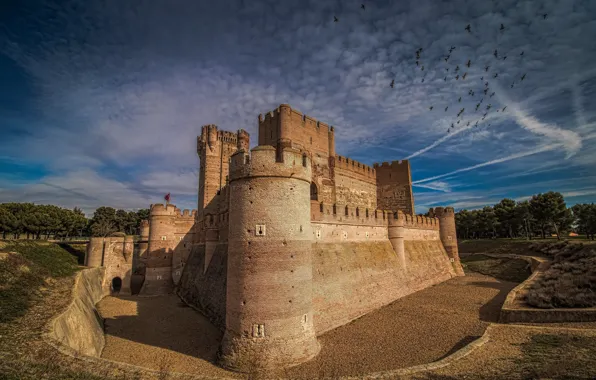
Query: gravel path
{"points": [[416, 329]]}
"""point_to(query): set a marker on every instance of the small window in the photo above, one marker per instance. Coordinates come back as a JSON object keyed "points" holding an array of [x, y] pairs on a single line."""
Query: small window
{"points": [[347, 211], [311, 141], [334, 209], [304, 160], [367, 213], [321, 207], [163, 238], [357, 212], [314, 196]]}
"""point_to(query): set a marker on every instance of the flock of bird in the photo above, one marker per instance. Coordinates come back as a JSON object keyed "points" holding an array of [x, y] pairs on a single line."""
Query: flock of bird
{"points": [[457, 75]]}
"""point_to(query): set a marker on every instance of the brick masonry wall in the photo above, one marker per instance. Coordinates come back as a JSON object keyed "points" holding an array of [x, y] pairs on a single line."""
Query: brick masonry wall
{"points": [[352, 279], [206, 289]]}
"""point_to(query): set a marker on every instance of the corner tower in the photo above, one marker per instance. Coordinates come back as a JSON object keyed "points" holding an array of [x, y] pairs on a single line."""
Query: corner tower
{"points": [[161, 244], [269, 312], [215, 148], [448, 235]]}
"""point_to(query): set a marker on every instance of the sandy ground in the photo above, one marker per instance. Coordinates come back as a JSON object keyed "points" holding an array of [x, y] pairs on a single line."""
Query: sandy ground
{"points": [[160, 332]]}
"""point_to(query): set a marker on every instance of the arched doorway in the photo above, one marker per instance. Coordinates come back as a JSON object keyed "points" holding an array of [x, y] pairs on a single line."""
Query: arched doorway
{"points": [[314, 194], [116, 284]]}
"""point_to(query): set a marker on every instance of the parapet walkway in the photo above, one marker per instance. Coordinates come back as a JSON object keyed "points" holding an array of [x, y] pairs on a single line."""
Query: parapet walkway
{"points": [[160, 333]]}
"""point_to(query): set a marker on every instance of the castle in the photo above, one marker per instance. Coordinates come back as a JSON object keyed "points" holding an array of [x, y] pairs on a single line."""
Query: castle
{"points": [[289, 240]]}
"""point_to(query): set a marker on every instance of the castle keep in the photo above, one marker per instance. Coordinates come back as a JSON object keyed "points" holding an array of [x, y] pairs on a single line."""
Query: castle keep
{"points": [[289, 240]]}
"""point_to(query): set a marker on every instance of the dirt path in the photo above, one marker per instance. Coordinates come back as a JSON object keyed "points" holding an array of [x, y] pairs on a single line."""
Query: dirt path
{"points": [[423, 327]]}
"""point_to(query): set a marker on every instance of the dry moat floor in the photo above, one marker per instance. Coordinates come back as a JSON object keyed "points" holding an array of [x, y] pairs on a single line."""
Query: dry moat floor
{"points": [[163, 333]]}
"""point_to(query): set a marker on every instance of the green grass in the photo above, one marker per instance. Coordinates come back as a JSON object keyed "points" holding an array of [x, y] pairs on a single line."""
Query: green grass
{"points": [[26, 270], [505, 269]]}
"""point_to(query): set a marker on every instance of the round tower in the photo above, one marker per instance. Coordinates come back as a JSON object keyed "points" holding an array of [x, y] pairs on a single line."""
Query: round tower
{"points": [[448, 235], [269, 312], [158, 269], [396, 234], [94, 254], [285, 128], [243, 140]]}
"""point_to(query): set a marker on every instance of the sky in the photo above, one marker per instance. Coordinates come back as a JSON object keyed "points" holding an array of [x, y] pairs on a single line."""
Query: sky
{"points": [[101, 101]]}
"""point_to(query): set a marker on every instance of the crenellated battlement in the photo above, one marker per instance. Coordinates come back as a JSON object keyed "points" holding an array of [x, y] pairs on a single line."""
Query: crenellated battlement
{"points": [[297, 118], [159, 209], [392, 164], [346, 214], [347, 163], [262, 162]]}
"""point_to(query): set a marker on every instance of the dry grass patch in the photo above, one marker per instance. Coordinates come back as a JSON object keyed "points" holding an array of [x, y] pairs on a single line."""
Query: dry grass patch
{"points": [[505, 269], [570, 281]]}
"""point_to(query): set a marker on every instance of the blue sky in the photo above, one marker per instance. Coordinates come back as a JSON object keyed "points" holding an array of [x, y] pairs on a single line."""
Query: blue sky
{"points": [[101, 101]]}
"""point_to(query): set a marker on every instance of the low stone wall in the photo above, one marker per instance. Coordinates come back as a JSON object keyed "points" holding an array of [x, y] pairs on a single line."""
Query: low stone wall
{"points": [[515, 309], [79, 327]]}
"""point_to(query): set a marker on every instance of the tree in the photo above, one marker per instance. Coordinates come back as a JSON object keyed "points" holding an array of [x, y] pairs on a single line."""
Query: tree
{"points": [[505, 213], [585, 217], [103, 223], [523, 217], [8, 222], [549, 209]]}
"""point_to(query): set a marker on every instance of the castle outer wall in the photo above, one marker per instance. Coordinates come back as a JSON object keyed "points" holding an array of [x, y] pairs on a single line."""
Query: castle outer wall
{"points": [[291, 240]]}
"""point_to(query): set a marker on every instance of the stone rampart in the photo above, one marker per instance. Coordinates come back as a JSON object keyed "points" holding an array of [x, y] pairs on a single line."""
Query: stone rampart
{"points": [[80, 328], [352, 279]]}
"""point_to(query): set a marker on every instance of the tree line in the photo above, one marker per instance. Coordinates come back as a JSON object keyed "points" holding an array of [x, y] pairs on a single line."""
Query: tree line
{"points": [[542, 215], [31, 221]]}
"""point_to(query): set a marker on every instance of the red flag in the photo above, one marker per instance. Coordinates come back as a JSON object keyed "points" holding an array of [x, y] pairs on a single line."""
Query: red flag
{"points": [[167, 197]]}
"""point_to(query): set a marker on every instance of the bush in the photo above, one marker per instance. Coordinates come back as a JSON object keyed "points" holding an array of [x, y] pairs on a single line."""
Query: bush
{"points": [[569, 282]]}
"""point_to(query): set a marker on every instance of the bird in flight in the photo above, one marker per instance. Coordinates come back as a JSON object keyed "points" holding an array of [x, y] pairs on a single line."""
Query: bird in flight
{"points": [[335, 19], [457, 77], [469, 63], [467, 125], [485, 91], [460, 112], [392, 83], [486, 84], [417, 63], [477, 106], [502, 27], [468, 28], [486, 68], [459, 100], [471, 93], [488, 107], [504, 57], [504, 108], [431, 108], [362, 6], [496, 54], [481, 78], [491, 95], [445, 79], [452, 125], [422, 68], [458, 121], [451, 49], [476, 124], [496, 75], [456, 68], [422, 80], [523, 77], [522, 53], [544, 16], [464, 76], [447, 58], [446, 108]]}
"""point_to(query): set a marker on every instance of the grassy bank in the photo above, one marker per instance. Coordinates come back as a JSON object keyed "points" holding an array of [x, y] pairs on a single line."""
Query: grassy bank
{"points": [[27, 269], [36, 280], [506, 269]]}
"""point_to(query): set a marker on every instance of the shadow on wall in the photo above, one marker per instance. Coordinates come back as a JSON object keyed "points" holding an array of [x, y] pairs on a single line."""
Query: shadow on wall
{"points": [[489, 312], [192, 334]]}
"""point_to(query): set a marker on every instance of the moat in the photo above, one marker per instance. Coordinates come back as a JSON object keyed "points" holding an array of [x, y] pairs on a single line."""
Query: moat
{"points": [[159, 332]]}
